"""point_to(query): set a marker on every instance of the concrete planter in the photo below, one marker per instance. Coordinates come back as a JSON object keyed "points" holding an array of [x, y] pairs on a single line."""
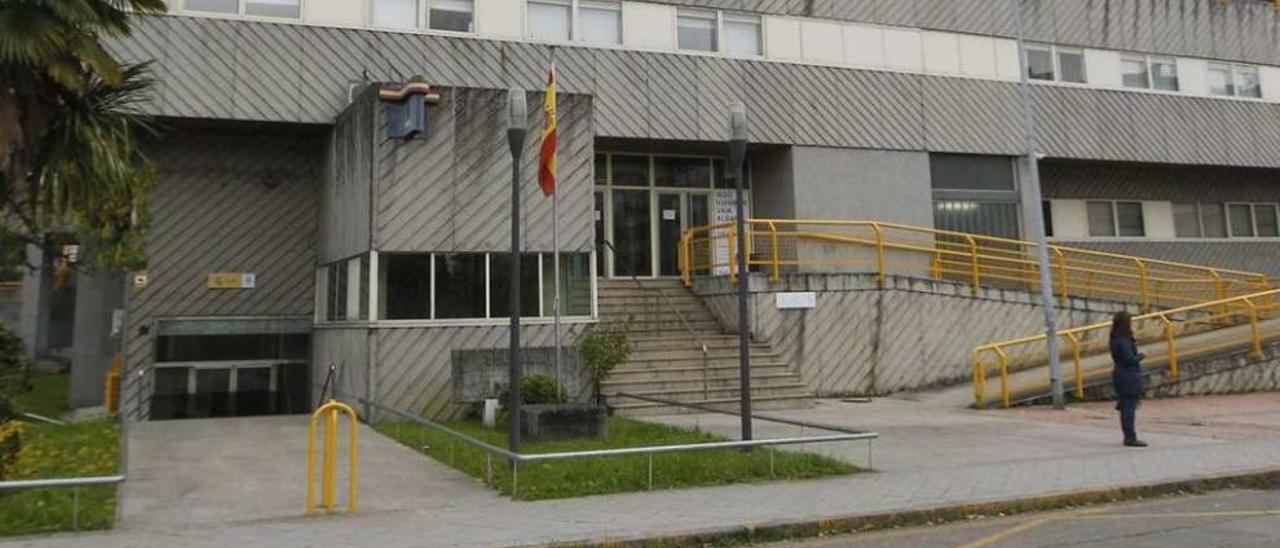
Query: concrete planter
{"points": [[562, 421]]}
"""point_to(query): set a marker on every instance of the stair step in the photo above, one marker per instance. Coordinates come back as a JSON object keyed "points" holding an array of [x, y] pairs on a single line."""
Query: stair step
{"points": [[642, 409], [759, 383], [647, 364]]}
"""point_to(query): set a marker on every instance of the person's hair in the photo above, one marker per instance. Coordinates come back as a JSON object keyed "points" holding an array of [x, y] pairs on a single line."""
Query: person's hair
{"points": [[1122, 324]]}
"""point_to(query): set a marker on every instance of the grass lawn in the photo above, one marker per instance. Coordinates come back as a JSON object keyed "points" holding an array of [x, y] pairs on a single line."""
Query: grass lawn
{"points": [[593, 476], [48, 395], [49, 451]]}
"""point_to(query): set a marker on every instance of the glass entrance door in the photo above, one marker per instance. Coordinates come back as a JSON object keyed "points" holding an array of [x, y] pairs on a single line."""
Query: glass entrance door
{"points": [[632, 233]]}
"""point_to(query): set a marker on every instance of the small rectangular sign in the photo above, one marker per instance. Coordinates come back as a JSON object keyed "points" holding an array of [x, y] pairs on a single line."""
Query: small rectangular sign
{"points": [[232, 280], [797, 300], [668, 214]]}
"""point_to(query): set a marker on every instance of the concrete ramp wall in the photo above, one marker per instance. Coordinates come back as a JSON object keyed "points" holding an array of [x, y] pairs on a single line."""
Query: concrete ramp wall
{"points": [[864, 338]]}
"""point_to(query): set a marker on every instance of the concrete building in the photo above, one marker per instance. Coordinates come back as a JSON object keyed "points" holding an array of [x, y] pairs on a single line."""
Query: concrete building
{"points": [[292, 233]]}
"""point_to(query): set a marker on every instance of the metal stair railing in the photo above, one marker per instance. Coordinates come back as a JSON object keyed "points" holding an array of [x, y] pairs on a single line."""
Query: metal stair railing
{"points": [[1168, 326], [973, 259], [659, 297]]}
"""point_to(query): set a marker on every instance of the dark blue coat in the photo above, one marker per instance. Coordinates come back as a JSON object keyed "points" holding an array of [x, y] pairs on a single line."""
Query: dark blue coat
{"points": [[1127, 375]]}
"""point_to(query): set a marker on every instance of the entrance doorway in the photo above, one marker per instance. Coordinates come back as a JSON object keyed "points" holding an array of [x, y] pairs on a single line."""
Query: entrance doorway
{"points": [[231, 368], [644, 203]]}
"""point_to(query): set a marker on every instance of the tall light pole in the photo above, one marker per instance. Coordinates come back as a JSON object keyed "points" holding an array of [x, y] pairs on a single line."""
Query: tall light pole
{"points": [[737, 154], [1037, 215], [517, 119]]}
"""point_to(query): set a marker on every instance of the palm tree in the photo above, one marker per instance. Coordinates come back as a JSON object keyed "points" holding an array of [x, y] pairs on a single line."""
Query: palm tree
{"points": [[69, 126]]}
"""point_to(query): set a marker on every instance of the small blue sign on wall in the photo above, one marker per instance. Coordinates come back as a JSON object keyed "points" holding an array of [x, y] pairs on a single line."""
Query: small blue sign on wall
{"points": [[407, 119], [406, 108]]}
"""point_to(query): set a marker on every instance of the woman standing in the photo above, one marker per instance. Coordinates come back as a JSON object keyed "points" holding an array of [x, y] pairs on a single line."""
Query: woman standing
{"points": [[1127, 375]]}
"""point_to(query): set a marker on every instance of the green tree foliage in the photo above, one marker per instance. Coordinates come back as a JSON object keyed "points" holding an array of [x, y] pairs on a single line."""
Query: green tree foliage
{"points": [[69, 128], [14, 370], [603, 350]]}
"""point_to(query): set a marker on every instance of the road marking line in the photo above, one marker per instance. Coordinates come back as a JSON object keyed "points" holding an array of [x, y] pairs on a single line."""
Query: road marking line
{"points": [[1227, 513], [1025, 526]]}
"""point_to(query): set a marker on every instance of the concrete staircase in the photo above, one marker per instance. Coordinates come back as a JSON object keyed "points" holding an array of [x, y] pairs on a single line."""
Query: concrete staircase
{"points": [[667, 361]]}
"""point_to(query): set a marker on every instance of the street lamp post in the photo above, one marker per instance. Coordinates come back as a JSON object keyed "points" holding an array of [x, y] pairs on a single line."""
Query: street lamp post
{"points": [[1037, 215], [517, 119], [737, 153]]}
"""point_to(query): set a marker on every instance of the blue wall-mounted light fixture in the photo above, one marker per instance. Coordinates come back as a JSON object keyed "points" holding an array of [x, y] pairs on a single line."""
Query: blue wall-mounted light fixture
{"points": [[406, 107]]}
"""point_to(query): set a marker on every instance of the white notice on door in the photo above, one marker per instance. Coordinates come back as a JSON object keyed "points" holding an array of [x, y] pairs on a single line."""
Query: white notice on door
{"points": [[668, 214]]}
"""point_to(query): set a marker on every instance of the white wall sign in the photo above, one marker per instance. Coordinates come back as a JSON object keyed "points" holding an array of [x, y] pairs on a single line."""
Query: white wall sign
{"points": [[724, 208], [796, 300]]}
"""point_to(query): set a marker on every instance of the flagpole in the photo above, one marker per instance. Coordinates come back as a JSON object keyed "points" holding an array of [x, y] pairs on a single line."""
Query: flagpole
{"points": [[555, 256]]}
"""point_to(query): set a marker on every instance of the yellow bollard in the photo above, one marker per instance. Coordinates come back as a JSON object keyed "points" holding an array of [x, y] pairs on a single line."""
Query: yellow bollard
{"points": [[329, 464]]}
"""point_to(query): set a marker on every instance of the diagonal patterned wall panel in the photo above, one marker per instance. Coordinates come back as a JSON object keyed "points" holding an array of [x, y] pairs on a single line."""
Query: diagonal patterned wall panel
{"points": [[345, 199], [414, 372], [445, 192], [677, 97], [225, 202], [866, 340], [1079, 181]]}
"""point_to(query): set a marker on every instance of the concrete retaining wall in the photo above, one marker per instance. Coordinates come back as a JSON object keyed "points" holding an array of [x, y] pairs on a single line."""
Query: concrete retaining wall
{"points": [[864, 339]]}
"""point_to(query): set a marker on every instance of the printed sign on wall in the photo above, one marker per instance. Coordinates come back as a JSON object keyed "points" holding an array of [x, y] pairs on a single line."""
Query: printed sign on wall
{"points": [[232, 280], [724, 208]]}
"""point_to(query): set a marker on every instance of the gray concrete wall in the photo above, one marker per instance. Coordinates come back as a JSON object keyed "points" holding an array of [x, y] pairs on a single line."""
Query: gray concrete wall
{"points": [[226, 201], [98, 296], [854, 184], [346, 195], [864, 339]]}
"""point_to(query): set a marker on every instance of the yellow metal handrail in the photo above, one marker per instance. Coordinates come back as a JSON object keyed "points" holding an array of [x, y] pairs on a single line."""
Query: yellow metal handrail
{"points": [[329, 412], [977, 260], [1169, 325]]}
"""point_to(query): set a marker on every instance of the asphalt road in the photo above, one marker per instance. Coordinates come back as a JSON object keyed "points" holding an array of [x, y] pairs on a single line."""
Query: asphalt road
{"points": [[1227, 518]]}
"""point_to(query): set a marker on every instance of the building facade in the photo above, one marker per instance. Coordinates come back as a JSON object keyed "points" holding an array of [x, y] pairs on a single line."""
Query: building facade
{"points": [[387, 258]]}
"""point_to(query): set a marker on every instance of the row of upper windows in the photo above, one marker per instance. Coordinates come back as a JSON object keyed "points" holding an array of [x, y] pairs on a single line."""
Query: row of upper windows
{"points": [[646, 25], [1130, 219], [1064, 64]]}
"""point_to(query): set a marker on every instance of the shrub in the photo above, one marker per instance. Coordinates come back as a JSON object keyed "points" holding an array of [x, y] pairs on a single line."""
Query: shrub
{"points": [[535, 389], [603, 350]]}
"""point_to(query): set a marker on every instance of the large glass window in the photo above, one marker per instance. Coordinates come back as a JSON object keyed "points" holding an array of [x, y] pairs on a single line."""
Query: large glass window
{"points": [[630, 170], [697, 30], [1253, 220], [500, 284], [406, 279], [1134, 72], [549, 19], [1264, 217], [1213, 218], [1164, 74], [977, 217], [1129, 221], [1040, 62], [453, 15], [337, 292], [575, 284], [600, 22], [681, 172], [1115, 219], [395, 14], [460, 285], [257, 346], [1071, 66], [1220, 80], [1247, 84], [742, 35], [971, 172], [1186, 220], [1102, 218], [214, 6], [274, 8]]}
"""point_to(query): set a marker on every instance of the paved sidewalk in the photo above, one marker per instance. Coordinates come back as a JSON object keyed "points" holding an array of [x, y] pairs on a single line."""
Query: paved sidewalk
{"points": [[929, 457]]}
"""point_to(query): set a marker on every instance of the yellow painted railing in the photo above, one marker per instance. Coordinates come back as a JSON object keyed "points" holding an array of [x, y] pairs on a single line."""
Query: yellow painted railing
{"points": [[111, 388], [1172, 327], [776, 246], [329, 412]]}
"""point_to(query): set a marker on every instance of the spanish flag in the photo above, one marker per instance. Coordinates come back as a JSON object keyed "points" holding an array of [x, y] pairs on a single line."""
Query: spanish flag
{"points": [[547, 155]]}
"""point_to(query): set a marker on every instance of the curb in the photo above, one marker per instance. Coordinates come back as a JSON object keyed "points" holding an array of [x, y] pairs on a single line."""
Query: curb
{"points": [[784, 530]]}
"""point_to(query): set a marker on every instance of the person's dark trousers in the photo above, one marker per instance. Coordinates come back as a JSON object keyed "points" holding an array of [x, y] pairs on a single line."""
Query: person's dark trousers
{"points": [[1128, 410]]}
